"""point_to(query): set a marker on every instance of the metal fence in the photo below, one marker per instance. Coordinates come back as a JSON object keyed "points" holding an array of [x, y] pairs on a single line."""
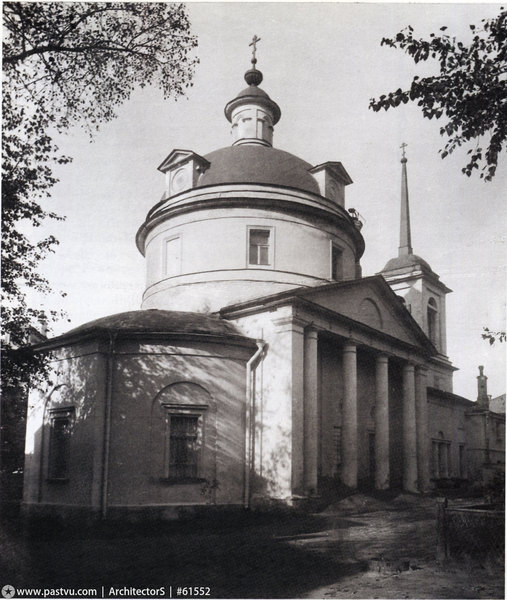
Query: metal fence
{"points": [[471, 531]]}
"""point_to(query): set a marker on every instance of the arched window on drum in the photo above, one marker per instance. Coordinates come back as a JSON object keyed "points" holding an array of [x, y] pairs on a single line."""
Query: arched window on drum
{"points": [[432, 320]]}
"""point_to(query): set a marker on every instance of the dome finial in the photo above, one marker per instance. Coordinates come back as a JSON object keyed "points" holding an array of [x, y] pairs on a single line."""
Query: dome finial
{"points": [[253, 76], [403, 158]]}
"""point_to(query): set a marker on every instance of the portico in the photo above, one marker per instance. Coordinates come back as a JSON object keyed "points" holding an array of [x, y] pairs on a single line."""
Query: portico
{"points": [[353, 419], [350, 396]]}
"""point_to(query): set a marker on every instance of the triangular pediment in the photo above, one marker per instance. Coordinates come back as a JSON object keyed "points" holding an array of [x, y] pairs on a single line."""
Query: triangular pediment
{"points": [[336, 169], [371, 302], [178, 157]]}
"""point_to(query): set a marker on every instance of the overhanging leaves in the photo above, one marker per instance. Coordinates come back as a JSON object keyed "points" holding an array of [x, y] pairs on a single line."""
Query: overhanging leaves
{"points": [[469, 92]]}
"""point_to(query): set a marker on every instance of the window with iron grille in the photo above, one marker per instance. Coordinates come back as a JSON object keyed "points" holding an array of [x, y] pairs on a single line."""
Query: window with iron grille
{"points": [[61, 423], [184, 444], [184, 447]]}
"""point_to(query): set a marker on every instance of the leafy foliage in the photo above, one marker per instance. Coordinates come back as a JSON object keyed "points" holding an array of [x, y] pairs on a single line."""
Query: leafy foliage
{"points": [[470, 90], [493, 336], [64, 64], [67, 64]]}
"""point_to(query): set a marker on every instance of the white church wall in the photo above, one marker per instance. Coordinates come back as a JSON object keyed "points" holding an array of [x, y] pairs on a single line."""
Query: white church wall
{"points": [[279, 425], [446, 427], [77, 392], [213, 246], [142, 373]]}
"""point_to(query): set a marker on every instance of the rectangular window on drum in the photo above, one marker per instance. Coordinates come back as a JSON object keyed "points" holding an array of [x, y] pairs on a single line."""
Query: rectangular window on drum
{"points": [[172, 257], [336, 264], [258, 253]]}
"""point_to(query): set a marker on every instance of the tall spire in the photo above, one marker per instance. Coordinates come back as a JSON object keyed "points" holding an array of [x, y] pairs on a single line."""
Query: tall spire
{"points": [[405, 246]]}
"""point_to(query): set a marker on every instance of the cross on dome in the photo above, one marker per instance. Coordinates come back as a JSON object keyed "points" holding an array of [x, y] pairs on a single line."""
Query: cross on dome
{"points": [[253, 76], [253, 43]]}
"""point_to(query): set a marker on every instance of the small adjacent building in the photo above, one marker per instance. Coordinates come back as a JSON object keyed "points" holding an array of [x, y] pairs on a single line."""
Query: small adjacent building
{"points": [[262, 365]]}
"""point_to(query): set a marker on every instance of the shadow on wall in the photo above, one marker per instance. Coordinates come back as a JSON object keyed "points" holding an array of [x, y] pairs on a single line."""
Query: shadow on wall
{"points": [[146, 385], [265, 481]]}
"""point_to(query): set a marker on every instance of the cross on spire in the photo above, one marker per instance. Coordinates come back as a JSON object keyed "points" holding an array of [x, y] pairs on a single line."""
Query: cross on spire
{"points": [[403, 146], [253, 43]]}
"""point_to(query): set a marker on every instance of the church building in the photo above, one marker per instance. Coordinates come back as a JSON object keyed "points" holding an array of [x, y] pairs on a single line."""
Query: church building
{"points": [[262, 365]]}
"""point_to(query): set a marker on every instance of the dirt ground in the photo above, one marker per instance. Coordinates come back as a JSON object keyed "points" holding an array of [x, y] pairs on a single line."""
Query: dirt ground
{"points": [[323, 555], [404, 530]]}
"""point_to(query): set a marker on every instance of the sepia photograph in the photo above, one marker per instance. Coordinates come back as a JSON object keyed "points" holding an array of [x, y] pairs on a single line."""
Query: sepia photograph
{"points": [[253, 300]]}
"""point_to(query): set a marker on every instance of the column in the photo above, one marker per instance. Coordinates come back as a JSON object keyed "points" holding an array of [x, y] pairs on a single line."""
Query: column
{"points": [[423, 441], [349, 417], [285, 428], [297, 392], [311, 415], [381, 423], [409, 430]]}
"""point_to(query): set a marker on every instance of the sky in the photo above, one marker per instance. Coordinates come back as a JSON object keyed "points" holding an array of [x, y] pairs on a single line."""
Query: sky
{"points": [[322, 62]]}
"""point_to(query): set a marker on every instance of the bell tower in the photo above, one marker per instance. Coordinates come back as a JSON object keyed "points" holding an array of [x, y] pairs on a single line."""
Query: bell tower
{"points": [[412, 278]]}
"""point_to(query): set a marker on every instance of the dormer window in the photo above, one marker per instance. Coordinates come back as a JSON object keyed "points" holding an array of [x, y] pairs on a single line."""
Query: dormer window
{"points": [[332, 179], [182, 169]]}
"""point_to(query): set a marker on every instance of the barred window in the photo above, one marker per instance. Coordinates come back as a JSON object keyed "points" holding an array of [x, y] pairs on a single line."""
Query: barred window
{"points": [[61, 423], [184, 443], [184, 447]]}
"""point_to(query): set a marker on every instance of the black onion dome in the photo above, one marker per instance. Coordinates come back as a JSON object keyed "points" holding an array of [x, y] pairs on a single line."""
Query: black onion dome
{"points": [[253, 163], [253, 76]]}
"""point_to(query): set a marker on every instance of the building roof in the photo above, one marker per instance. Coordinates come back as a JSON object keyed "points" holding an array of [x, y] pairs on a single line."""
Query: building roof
{"points": [[253, 95], [406, 261], [450, 396], [152, 322], [341, 309], [155, 320], [252, 163]]}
